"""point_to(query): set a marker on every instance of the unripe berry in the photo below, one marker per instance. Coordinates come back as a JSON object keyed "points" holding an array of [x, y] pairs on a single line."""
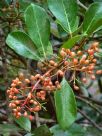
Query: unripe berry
{"points": [[95, 44], [91, 67], [27, 81], [62, 53], [93, 77], [79, 53], [29, 96], [72, 54], [76, 87], [84, 57], [96, 49], [84, 80], [35, 103], [86, 62], [10, 96], [25, 114], [21, 76], [32, 78], [52, 62], [14, 97], [31, 101]]}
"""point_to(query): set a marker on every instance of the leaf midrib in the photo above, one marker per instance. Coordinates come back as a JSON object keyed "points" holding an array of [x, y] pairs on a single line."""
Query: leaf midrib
{"points": [[66, 18], [39, 34]]}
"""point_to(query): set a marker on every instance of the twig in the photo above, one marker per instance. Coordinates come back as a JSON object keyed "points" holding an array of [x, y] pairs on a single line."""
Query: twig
{"points": [[81, 5], [92, 122], [37, 119], [90, 104], [93, 100]]}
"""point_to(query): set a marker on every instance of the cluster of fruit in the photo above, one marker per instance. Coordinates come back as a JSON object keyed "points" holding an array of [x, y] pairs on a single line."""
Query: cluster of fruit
{"points": [[26, 94]]}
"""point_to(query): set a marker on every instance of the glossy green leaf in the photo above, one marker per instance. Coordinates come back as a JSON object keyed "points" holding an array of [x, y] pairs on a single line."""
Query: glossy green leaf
{"points": [[66, 13], [65, 105], [71, 42], [24, 123], [38, 27], [74, 130], [22, 45], [93, 18], [42, 131]]}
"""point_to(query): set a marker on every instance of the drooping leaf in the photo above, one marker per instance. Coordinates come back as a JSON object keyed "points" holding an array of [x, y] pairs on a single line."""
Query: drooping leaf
{"points": [[71, 42], [42, 131], [22, 45], [93, 18], [65, 105], [74, 130], [24, 123], [66, 13], [38, 27]]}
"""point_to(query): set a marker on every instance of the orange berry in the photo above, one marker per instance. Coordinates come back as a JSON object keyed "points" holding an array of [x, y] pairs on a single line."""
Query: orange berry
{"points": [[37, 108], [66, 63], [19, 114], [72, 54], [90, 51], [61, 73], [31, 117], [94, 60], [98, 72], [14, 97], [75, 61]]}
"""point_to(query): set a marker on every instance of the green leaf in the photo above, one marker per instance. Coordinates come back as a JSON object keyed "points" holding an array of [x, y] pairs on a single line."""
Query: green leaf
{"points": [[65, 105], [24, 123], [74, 130], [93, 18], [71, 42], [42, 131], [38, 27], [22, 45], [66, 13], [7, 128]]}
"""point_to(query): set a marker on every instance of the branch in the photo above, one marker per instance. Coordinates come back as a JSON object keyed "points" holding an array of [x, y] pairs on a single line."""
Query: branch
{"points": [[81, 5], [92, 122]]}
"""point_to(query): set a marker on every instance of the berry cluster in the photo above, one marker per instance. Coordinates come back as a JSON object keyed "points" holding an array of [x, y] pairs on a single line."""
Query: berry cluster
{"points": [[27, 94], [82, 61]]}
